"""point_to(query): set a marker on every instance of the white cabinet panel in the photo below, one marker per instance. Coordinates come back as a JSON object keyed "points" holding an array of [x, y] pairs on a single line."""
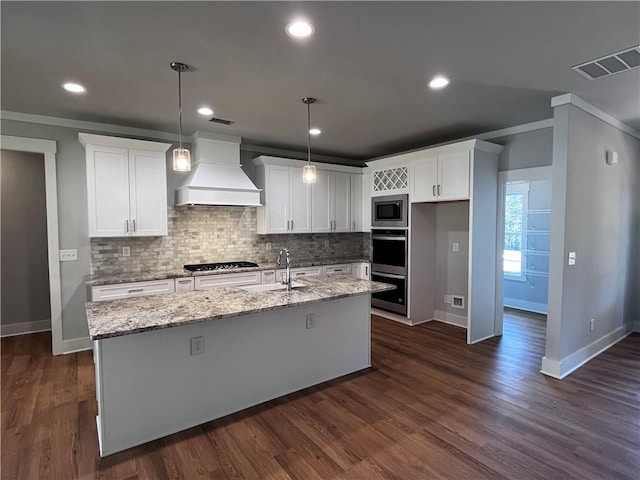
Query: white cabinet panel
{"points": [[454, 175], [184, 284], [340, 201], [129, 290], [356, 203], [227, 279], [361, 270], [332, 202], [277, 199], [300, 272], [268, 277], [148, 183], [425, 180], [322, 215], [299, 201], [340, 268]]}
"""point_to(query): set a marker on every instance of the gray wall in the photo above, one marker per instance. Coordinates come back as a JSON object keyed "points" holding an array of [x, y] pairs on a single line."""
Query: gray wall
{"points": [[25, 270], [532, 293], [595, 213], [452, 268], [526, 150]]}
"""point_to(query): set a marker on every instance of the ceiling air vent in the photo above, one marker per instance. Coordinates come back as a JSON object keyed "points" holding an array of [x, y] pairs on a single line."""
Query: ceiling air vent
{"points": [[611, 64], [221, 120]]}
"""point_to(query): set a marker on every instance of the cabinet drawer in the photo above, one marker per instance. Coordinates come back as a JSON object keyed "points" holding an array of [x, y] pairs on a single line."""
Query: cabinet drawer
{"points": [[227, 279], [184, 284], [300, 272], [342, 268], [268, 277], [135, 289]]}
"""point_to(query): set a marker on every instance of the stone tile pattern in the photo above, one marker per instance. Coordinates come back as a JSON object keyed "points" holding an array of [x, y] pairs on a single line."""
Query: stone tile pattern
{"points": [[203, 234], [140, 314]]}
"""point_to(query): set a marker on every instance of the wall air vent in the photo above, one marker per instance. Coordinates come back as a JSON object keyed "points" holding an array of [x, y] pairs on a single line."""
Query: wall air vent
{"points": [[221, 120], [610, 64]]}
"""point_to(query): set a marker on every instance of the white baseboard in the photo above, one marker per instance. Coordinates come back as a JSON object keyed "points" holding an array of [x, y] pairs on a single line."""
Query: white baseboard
{"points": [[76, 345], [397, 318], [23, 328], [560, 369], [451, 318], [534, 307]]}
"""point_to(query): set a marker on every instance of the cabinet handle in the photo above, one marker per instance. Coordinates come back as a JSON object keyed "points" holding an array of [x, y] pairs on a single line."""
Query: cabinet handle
{"points": [[292, 225], [184, 282], [134, 225], [439, 189], [366, 270], [433, 189], [126, 226], [300, 273], [136, 290], [337, 270]]}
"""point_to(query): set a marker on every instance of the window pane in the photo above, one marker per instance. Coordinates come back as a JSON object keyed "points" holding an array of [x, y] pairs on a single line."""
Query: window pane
{"points": [[514, 231], [512, 261]]}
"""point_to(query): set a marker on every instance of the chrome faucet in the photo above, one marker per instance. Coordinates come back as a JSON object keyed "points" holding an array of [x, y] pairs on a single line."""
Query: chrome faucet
{"points": [[287, 280]]}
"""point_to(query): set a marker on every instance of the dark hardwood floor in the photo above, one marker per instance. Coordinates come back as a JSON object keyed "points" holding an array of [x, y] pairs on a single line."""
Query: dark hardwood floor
{"points": [[430, 407]]}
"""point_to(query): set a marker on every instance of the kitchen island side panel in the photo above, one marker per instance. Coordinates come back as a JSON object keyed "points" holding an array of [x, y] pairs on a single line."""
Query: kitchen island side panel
{"points": [[151, 386]]}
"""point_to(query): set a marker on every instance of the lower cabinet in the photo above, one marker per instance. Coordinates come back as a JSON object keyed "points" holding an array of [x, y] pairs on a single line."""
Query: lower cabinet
{"points": [[227, 280], [134, 289], [329, 269], [300, 272], [185, 284], [361, 270]]}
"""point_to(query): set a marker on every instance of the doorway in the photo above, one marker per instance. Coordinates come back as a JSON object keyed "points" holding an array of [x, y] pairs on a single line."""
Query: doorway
{"points": [[524, 232], [46, 149]]}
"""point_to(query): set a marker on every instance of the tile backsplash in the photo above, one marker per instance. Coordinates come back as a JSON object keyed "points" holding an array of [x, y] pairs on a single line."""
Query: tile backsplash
{"points": [[199, 234]]}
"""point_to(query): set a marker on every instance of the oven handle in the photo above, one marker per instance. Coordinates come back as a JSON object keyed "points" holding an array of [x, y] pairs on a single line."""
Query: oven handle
{"points": [[388, 275], [383, 237]]}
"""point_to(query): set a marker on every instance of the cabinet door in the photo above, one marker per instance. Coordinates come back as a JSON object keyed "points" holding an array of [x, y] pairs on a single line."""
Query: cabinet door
{"points": [[340, 201], [366, 202], [108, 191], [356, 203], [454, 175], [425, 180], [321, 192], [148, 197], [299, 202], [277, 199]]}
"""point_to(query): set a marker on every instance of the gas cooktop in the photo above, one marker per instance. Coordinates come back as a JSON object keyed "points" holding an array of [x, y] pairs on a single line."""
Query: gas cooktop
{"points": [[206, 267]]}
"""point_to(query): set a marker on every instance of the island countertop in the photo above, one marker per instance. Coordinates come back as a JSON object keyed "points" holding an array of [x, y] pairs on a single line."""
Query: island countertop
{"points": [[135, 315]]}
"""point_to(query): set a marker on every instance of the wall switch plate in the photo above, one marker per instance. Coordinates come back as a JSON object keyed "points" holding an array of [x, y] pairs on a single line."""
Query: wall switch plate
{"points": [[68, 255], [592, 324], [197, 345], [447, 299], [311, 320], [126, 251], [572, 258], [268, 246], [456, 247]]}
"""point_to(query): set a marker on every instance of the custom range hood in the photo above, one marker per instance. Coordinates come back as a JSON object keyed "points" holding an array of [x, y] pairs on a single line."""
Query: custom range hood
{"points": [[217, 177]]}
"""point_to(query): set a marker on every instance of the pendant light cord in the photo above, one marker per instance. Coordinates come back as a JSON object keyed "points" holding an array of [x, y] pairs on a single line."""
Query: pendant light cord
{"points": [[180, 105], [309, 133]]}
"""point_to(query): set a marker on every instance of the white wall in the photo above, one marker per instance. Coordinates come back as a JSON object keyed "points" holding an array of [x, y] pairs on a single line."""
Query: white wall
{"points": [[526, 149], [595, 213]]}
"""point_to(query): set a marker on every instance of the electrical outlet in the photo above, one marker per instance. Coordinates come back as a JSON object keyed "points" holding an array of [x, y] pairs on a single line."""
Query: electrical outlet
{"points": [[311, 320], [592, 324], [268, 246], [447, 299], [68, 255], [197, 345], [126, 251], [572, 258], [456, 247]]}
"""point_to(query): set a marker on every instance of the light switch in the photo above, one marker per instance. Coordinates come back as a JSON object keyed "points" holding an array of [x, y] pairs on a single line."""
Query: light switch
{"points": [[456, 247], [572, 258], [68, 255]]}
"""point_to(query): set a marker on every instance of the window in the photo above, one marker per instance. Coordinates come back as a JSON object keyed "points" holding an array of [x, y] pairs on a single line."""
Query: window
{"points": [[515, 227]]}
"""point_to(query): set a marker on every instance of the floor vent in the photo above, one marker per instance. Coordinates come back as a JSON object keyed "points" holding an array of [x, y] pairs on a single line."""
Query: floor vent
{"points": [[610, 64]]}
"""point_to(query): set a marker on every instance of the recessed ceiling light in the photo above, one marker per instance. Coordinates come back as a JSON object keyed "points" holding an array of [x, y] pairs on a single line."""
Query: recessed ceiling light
{"points": [[439, 82], [74, 87], [206, 111], [315, 131], [300, 29]]}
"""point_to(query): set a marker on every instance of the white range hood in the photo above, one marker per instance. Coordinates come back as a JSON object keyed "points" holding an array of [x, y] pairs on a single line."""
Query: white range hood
{"points": [[217, 177]]}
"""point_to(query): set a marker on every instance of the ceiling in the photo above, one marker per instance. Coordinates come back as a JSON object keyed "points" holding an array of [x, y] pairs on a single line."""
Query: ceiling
{"points": [[367, 64]]}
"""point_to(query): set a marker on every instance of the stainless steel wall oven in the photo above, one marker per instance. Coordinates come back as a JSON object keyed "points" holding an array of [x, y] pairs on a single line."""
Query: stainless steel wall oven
{"points": [[389, 257]]}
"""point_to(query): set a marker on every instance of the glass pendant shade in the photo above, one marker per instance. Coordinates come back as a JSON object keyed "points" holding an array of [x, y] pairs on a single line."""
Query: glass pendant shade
{"points": [[181, 160], [309, 174]]}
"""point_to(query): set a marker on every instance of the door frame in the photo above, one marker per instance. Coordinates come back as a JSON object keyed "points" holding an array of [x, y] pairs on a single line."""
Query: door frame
{"points": [[48, 148], [519, 175]]}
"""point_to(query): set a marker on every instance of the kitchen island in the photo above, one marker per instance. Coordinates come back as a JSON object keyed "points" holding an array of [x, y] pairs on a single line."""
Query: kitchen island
{"points": [[170, 362]]}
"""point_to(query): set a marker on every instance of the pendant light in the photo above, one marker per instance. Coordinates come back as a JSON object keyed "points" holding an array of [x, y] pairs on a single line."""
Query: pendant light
{"points": [[181, 156], [309, 171]]}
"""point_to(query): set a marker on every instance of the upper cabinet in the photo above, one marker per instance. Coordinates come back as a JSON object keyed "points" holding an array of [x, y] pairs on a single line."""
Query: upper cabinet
{"points": [[292, 206], [331, 200], [441, 177], [126, 186]]}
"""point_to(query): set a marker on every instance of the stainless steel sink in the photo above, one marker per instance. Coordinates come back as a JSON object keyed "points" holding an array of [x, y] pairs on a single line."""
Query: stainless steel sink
{"points": [[272, 287]]}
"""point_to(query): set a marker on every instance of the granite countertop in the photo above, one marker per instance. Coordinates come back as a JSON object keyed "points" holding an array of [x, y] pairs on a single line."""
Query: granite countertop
{"points": [[135, 315], [98, 280]]}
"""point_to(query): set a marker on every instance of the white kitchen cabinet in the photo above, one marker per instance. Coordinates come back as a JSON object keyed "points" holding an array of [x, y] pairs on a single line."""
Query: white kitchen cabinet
{"points": [[361, 270], [287, 200], [440, 177], [331, 200], [357, 224], [268, 277], [126, 186], [299, 272], [206, 282], [340, 268], [130, 290]]}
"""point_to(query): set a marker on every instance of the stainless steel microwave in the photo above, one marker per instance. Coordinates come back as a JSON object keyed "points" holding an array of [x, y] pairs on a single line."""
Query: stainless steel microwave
{"points": [[390, 211]]}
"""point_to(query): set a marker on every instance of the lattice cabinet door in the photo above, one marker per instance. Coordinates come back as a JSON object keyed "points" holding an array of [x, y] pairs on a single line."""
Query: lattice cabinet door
{"points": [[390, 181]]}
